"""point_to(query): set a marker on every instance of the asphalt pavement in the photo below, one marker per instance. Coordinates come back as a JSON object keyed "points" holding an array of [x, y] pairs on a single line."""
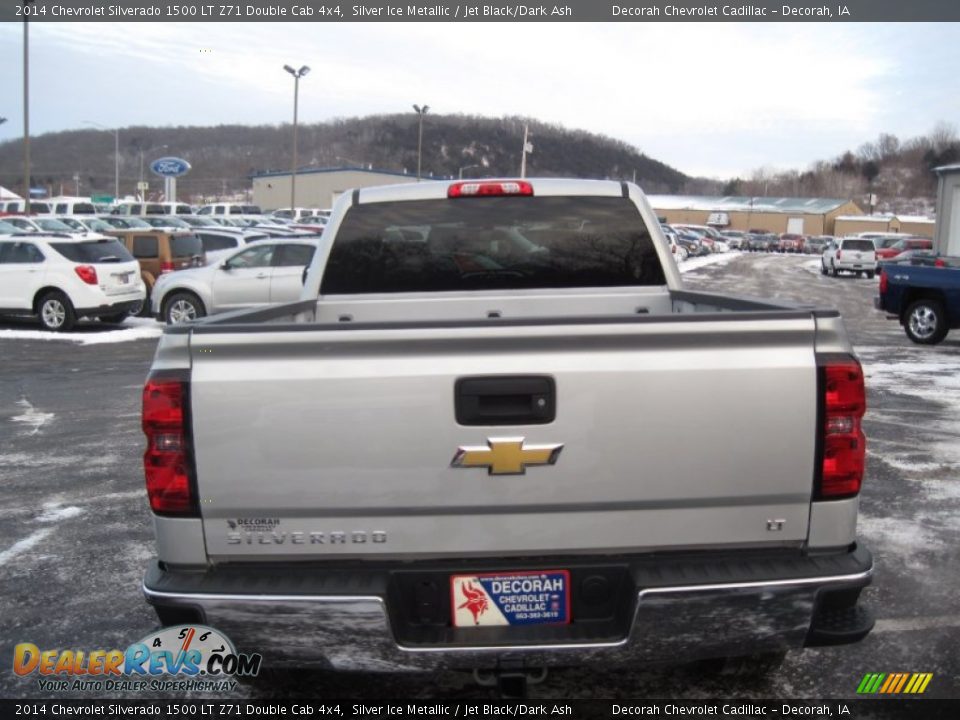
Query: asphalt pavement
{"points": [[76, 533]]}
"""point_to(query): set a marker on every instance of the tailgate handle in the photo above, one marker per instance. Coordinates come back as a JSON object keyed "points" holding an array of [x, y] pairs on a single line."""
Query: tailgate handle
{"points": [[505, 400]]}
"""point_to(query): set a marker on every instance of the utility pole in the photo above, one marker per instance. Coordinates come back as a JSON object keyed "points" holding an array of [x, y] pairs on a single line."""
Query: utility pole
{"points": [[527, 148], [26, 104], [421, 111]]}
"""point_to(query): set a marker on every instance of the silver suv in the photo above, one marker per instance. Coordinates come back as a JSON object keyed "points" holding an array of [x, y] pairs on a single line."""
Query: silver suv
{"points": [[856, 255]]}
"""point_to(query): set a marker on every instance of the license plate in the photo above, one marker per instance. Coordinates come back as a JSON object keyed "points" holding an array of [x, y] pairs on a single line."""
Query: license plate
{"points": [[536, 597], [123, 279]]}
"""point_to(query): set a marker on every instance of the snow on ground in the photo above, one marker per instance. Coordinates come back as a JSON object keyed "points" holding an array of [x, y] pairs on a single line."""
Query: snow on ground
{"points": [[713, 259], [21, 546], [92, 333], [54, 512], [911, 541], [932, 376], [32, 417]]}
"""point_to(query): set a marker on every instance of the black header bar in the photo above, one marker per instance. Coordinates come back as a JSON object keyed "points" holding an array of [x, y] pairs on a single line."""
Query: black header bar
{"points": [[211, 707], [474, 11]]}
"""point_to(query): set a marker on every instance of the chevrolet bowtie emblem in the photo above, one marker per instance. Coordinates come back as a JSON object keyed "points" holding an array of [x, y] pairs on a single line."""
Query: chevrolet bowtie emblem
{"points": [[506, 456]]}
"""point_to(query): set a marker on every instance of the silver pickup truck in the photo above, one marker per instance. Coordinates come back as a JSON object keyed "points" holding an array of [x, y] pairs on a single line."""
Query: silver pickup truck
{"points": [[497, 433]]}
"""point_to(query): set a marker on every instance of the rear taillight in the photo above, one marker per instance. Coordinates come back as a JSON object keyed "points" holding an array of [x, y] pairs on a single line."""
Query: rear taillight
{"points": [[939, 263], [883, 282], [87, 273], [167, 266], [486, 189], [839, 252], [167, 462], [842, 442]]}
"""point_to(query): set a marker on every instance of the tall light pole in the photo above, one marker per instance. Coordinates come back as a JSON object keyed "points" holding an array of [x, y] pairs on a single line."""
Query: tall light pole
{"points": [[421, 111], [297, 74], [466, 167], [26, 105], [116, 154]]}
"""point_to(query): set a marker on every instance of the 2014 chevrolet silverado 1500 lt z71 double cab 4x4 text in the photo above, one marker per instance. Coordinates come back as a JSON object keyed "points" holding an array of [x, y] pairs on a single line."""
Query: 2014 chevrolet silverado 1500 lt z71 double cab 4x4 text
{"points": [[465, 447]]}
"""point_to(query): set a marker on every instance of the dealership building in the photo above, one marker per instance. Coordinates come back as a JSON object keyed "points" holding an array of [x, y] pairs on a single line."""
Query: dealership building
{"points": [[913, 224], [805, 216], [320, 187]]}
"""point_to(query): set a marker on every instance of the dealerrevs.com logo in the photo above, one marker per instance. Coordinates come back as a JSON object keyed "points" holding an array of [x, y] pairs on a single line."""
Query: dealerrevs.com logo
{"points": [[199, 657]]}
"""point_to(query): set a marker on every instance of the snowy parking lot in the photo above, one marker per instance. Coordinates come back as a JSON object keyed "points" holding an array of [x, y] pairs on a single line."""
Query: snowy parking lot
{"points": [[76, 533]]}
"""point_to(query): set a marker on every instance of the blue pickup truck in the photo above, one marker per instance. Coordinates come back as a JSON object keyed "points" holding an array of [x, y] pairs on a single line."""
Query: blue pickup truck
{"points": [[924, 297], [923, 293]]}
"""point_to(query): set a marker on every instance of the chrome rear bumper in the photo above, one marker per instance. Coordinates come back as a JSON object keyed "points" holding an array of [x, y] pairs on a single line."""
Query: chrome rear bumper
{"points": [[668, 624]]}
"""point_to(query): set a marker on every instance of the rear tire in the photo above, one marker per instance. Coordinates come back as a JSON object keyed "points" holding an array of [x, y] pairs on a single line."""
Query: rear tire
{"points": [[925, 322], [145, 308], [182, 307], [869, 275], [823, 268], [56, 312], [833, 270]]}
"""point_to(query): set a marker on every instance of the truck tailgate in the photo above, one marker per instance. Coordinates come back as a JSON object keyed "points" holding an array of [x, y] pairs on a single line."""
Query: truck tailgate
{"points": [[678, 432]]}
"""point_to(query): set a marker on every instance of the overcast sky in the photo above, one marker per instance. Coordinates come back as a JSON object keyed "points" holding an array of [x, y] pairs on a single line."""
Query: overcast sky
{"points": [[714, 99]]}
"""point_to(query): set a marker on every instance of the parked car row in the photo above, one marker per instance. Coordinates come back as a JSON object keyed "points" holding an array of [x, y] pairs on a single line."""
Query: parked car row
{"points": [[35, 263]]}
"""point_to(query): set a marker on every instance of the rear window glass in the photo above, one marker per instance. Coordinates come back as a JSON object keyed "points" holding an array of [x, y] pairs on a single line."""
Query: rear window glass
{"points": [[84, 209], [145, 246], [490, 244], [94, 251], [185, 246], [861, 245], [251, 210], [217, 242]]}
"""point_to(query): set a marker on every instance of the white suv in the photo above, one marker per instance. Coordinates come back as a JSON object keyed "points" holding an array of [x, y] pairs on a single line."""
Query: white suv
{"points": [[59, 279], [856, 255]]}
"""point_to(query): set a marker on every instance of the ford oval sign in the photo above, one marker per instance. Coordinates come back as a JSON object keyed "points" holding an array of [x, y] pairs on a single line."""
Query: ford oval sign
{"points": [[170, 167]]}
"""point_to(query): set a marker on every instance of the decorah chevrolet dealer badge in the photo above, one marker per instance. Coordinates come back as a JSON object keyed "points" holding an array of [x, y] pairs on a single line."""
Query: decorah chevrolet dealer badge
{"points": [[539, 597]]}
